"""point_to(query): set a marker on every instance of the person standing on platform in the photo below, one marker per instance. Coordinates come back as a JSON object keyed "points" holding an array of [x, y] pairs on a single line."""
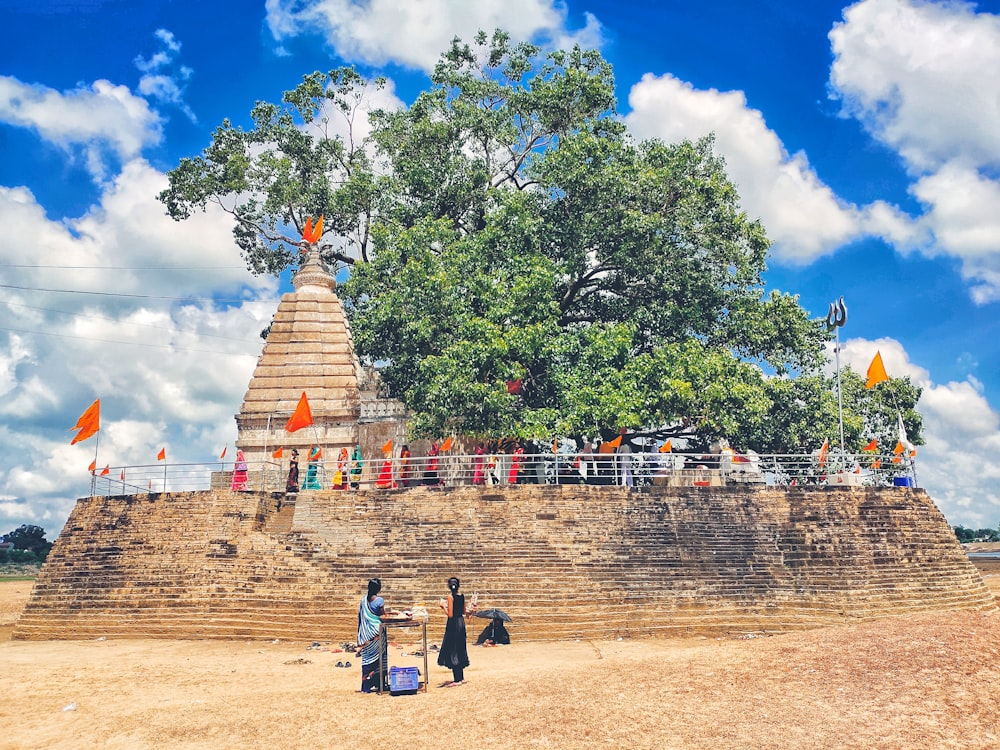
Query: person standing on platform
{"points": [[357, 464], [372, 639], [478, 475], [515, 465], [292, 485], [385, 480], [312, 469], [240, 472], [454, 652], [406, 466], [431, 476], [340, 477]]}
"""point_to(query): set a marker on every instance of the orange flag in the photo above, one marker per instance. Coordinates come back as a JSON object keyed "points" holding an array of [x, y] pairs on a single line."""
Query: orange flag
{"points": [[93, 466], [616, 442], [223, 454], [106, 470], [898, 449], [913, 453], [302, 417], [897, 459], [278, 453], [162, 455], [88, 423], [877, 463], [308, 230], [387, 448], [446, 446], [823, 451], [667, 447], [318, 230], [872, 446], [876, 371], [123, 475]]}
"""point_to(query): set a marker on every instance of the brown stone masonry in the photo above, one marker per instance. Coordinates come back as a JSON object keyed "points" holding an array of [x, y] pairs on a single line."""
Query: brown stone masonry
{"points": [[563, 561]]}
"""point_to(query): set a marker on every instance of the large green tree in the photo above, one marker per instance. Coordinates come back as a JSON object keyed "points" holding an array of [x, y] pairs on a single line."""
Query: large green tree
{"points": [[519, 265]]}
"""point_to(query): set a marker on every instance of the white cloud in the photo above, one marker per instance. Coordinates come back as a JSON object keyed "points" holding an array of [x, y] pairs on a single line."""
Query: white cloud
{"points": [[102, 118], [803, 216], [162, 80], [920, 77], [169, 372], [961, 430], [415, 34]]}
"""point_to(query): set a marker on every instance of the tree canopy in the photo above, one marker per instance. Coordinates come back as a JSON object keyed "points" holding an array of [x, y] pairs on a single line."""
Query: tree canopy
{"points": [[521, 267]]}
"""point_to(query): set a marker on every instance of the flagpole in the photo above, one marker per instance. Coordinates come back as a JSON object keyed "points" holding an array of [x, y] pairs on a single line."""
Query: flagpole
{"points": [[93, 474], [836, 316]]}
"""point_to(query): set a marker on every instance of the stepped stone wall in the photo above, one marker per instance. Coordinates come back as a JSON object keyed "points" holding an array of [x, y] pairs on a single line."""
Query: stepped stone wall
{"points": [[563, 561]]}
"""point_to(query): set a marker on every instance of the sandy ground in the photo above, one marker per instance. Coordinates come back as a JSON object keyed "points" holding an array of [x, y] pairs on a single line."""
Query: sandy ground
{"points": [[928, 681]]}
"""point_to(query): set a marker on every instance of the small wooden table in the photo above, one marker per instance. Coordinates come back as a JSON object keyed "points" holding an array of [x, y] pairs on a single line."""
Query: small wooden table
{"points": [[386, 624]]}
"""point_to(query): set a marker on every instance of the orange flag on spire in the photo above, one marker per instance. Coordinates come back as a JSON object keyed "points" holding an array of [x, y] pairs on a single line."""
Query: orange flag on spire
{"points": [[308, 230], [223, 454], [876, 371], [302, 417], [872, 446], [823, 451], [106, 470], [318, 230], [446, 446], [88, 423], [93, 466], [162, 455]]}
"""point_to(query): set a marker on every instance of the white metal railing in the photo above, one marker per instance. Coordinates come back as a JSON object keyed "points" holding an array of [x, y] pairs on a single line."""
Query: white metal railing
{"points": [[502, 469]]}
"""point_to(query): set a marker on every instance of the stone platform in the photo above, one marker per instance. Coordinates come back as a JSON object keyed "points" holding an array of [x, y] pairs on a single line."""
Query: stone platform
{"points": [[564, 561]]}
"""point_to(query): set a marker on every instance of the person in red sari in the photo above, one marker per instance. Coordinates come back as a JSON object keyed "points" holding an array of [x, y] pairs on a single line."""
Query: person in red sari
{"points": [[384, 481], [515, 465], [478, 475]]}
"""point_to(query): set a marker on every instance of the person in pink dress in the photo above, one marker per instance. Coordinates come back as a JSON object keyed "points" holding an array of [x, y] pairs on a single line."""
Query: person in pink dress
{"points": [[478, 475]]}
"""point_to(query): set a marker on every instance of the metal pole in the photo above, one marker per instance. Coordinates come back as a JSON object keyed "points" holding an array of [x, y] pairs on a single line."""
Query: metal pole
{"points": [[840, 394], [836, 316]]}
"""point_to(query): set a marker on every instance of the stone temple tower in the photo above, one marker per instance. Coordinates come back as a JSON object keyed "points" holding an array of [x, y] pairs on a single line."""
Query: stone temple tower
{"points": [[309, 349]]}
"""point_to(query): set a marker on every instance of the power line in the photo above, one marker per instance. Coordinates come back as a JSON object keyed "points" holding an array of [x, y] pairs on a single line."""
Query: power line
{"points": [[131, 323], [125, 268], [126, 343], [137, 296]]}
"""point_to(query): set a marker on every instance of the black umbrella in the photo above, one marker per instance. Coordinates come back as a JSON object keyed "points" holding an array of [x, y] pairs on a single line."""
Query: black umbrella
{"points": [[494, 614]]}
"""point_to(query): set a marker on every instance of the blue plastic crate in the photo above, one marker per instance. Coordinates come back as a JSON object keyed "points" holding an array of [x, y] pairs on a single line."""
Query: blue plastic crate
{"points": [[902, 481], [403, 680]]}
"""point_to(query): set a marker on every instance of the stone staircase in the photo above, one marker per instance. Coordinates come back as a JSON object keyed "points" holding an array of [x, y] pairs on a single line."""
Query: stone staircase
{"points": [[564, 561]]}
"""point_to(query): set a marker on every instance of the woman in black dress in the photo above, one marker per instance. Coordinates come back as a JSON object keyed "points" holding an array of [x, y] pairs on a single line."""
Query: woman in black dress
{"points": [[454, 653], [292, 485]]}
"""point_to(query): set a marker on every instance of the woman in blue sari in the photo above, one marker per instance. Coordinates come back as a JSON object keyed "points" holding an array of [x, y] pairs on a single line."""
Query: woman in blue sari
{"points": [[372, 640]]}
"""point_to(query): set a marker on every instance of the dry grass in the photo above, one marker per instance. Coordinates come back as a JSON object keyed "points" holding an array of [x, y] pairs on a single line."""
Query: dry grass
{"points": [[927, 681]]}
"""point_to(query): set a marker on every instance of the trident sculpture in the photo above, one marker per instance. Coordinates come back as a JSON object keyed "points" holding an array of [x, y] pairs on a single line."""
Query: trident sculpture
{"points": [[835, 319]]}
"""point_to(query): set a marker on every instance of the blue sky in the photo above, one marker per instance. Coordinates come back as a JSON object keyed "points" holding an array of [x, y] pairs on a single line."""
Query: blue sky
{"points": [[865, 136]]}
